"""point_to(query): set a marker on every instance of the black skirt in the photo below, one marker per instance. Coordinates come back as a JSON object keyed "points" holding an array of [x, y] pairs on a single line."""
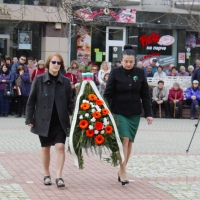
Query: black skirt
{"points": [[56, 135]]}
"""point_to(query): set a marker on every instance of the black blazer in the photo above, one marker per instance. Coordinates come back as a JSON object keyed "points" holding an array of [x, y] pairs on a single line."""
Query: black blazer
{"points": [[123, 93]]}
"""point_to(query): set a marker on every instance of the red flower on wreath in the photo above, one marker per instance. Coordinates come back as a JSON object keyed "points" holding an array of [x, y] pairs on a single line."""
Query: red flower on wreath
{"points": [[108, 129], [99, 102], [92, 97], [99, 139], [83, 124], [98, 126], [105, 111], [90, 133], [85, 106], [96, 114]]}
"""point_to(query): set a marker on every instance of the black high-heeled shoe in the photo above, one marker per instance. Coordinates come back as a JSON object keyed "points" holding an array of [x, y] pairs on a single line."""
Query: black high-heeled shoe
{"points": [[124, 182], [60, 184], [47, 182], [119, 180]]}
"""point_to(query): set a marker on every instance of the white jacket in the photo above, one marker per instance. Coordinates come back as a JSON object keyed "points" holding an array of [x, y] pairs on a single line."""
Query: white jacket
{"points": [[101, 74]]}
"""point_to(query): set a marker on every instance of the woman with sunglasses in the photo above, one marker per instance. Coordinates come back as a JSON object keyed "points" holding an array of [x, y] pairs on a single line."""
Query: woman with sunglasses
{"points": [[47, 113]]}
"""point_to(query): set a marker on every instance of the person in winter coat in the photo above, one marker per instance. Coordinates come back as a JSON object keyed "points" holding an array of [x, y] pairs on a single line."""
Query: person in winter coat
{"points": [[6, 77], [104, 69], [21, 62], [175, 99], [190, 70], [159, 74], [73, 80], [192, 95], [160, 97], [196, 75], [183, 72], [40, 69], [48, 109], [23, 87], [103, 86], [76, 70]]}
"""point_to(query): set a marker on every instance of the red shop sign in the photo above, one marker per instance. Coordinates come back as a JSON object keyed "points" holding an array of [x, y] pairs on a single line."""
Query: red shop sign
{"points": [[146, 40]]}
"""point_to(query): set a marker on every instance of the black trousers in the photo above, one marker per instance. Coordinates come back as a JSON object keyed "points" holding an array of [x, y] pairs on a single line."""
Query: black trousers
{"points": [[179, 105], [164, 104], [21, 104]]}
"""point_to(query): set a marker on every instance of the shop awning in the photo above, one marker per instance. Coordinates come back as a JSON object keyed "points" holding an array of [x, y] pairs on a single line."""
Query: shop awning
{"points": [[125, 2]]}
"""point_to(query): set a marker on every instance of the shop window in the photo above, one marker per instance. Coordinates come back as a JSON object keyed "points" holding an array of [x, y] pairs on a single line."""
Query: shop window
{"points": [[115, 34], [149, 40]]}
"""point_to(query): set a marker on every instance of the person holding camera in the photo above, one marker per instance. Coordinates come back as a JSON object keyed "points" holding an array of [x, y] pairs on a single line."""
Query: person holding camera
{"points": [[160, 98], [175, 100]]}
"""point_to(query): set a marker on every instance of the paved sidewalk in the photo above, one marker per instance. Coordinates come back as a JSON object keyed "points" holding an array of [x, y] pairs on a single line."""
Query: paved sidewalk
{"points": [[159, 168]]}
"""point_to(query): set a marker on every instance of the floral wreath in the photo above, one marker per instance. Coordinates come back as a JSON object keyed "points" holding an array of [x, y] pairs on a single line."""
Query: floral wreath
{"points": [[93, 128]]}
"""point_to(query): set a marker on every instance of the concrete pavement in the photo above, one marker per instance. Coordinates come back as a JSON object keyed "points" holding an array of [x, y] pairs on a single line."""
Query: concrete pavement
{"points": [[159, 168]]}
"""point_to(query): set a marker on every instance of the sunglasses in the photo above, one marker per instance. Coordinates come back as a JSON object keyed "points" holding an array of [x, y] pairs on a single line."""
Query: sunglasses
{"points": [[54, 62], [23, 59]]}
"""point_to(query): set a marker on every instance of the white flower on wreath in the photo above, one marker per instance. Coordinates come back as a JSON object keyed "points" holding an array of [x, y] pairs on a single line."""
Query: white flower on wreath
{"points": [[93, 120], [91, 127], [91, 104], [96, 132], [85, 101], [87, 115], [99, 110], [97, 107], [93, 110], [102, 132], [81, 117], [105, 121]]}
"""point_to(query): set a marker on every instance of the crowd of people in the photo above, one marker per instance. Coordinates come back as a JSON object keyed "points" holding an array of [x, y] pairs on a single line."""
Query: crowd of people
{"points": [[19, 74]]}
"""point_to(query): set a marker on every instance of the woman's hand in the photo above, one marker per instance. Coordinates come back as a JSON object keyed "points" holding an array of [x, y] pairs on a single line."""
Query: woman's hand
{"points": [[149, 120], [30, 125]]}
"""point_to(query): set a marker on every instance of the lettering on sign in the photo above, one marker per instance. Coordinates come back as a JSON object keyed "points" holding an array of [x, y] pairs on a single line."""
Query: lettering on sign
{"points": [[146, 40], [4, 13]]}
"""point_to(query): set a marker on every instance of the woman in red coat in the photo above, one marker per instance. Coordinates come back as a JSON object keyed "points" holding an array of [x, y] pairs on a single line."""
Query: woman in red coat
{"points": [[72, 79], [175, 100], [40, 69]]}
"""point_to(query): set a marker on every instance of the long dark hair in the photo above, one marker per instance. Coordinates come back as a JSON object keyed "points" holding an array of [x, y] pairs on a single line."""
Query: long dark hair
{"points": [[8, 69], [128, 50]]}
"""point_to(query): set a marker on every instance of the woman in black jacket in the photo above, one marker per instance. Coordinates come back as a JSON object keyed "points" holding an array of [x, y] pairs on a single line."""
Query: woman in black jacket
{"points": [[126, 88], [47, 113]]}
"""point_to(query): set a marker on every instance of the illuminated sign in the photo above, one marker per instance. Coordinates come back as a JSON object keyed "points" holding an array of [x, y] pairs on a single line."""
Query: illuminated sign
{"points": [[146, 40]]}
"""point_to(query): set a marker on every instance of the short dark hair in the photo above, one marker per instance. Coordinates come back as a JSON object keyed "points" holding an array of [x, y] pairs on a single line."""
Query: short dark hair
{"points": [[118, 61], [160, 81], [30, 58], [160, 67]]}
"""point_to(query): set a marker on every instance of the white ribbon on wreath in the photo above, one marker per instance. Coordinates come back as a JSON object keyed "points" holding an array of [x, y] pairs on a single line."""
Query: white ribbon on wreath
{"points": [[73, 124]]}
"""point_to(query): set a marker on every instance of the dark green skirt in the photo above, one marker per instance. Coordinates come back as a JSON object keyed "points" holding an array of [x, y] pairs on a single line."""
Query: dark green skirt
{"points": [[127, 125]]}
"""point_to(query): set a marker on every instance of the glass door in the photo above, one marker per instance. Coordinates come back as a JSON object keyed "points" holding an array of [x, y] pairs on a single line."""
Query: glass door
{"points": [[115, 40], [4, 45]]}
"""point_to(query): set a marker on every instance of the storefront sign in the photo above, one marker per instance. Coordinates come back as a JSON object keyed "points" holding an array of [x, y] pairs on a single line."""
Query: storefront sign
{"points": [[146, 40], [149, 56], [99, 56], [4, 12], [181, 57], [105, 14], [25, 40], [84, 44]]}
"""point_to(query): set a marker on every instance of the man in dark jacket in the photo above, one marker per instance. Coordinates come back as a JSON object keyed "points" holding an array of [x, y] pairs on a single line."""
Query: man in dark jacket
{"points": [[21, 61], [140, 65], [149, 71], [196, 75]]}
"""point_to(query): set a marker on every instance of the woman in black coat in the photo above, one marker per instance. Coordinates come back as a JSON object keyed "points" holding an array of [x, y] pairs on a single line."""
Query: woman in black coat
{"points": [[47, 113], [126, 88]]}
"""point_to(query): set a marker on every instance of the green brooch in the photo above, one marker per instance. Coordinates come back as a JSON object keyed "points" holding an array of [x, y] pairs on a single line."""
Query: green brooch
{"points": [[135, 78]]}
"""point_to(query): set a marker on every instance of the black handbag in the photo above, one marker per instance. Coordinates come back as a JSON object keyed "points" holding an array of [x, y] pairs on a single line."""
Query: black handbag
{"points": [[9, 91]]}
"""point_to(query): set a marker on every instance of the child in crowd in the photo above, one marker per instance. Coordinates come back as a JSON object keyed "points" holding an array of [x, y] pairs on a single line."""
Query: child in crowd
{"points": [[103, 85]]}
